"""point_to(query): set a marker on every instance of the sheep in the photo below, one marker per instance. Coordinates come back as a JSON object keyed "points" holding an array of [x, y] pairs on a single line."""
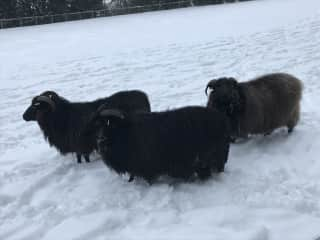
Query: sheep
{"points": [[258, 106], [62, 121], [179, 143]]}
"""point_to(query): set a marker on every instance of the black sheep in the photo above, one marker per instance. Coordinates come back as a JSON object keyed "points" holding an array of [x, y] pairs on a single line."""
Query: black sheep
{"points": [[258, 106], [62, 121], [178, 143]]}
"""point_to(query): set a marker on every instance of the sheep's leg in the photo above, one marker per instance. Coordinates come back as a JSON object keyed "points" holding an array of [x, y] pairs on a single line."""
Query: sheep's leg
{"points": [[204, 173], [131, 178], [294, 119], [150, 181], [267, 133], [239, 138], [291, 125], [203, 166], [221, 156], [87, 158], [224, 155], [233, 139], [244, 136], [78, 158]]}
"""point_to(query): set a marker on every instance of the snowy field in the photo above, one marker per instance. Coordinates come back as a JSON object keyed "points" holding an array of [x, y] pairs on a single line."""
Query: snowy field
{"points": [[271, 187]]}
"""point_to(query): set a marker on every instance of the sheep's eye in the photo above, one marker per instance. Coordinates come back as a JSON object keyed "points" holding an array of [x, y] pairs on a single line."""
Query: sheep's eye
{"points": [[36, 104]]}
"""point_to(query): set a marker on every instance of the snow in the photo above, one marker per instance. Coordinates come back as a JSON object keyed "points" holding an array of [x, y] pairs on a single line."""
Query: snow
{"points": [[270, 189]]}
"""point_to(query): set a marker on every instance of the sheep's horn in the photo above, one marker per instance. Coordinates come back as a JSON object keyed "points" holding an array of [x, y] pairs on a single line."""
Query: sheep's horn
{"points": [[208, 86], [111, 113], [47, 100], [206, 91]]}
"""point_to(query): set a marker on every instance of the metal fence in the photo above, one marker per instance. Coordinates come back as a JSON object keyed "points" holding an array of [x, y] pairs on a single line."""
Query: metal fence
{"points": [[36, 20]]}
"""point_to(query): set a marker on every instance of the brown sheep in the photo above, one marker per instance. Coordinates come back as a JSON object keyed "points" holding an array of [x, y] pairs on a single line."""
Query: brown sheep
{"points": [[258, 106]]}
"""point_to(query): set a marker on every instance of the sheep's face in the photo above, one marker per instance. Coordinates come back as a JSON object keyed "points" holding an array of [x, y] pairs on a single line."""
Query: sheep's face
{"points": [[104, 127], [224, 95], [93, 127], [40, 106], [104, 133]]}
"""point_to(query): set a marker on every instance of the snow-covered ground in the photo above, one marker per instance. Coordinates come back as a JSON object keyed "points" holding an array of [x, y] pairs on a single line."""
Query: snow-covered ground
{"points": [[271, 187]]}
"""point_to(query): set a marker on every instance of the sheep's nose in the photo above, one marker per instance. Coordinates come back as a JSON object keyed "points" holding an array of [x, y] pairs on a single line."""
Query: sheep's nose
{"points": [[29, 114]]}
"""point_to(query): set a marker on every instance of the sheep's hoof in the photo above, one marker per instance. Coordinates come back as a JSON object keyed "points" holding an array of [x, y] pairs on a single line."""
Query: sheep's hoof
{"points": [[204, 173], [79, 158], [220, 168], [131, 178], [233, 139], [87, 158], [290, 130], [267, 133]]}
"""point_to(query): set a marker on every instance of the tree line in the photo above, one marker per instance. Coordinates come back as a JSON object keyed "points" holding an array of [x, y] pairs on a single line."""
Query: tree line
{"points": [[124, 3], [27, 8]]}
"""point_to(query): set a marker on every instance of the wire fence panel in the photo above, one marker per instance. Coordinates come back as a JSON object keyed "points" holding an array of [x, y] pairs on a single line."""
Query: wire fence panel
{"points": [[37, 20]]}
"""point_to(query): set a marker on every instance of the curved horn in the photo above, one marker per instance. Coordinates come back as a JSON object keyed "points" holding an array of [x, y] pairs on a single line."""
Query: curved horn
{"points": [[206, 91], [111, 113], [209, 85], [47, 100], [102, 106]]}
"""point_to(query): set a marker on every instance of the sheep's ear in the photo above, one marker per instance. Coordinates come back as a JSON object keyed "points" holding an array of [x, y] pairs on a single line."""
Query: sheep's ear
{"points": [[50, 94], [234, 81], [112, 113], [210, 86]]}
